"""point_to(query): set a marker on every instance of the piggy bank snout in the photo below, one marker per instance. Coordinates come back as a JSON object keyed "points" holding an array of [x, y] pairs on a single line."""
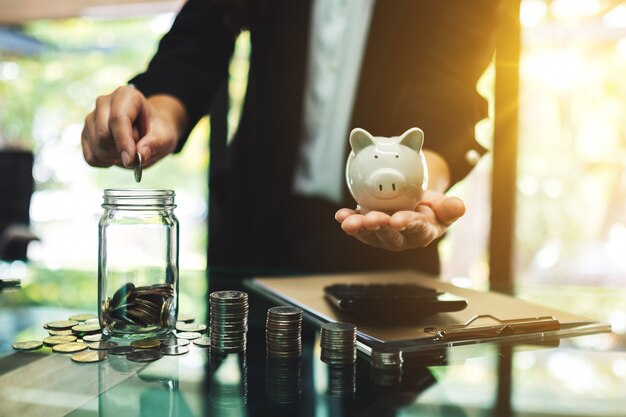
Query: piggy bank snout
{"points": [[386, 183]]}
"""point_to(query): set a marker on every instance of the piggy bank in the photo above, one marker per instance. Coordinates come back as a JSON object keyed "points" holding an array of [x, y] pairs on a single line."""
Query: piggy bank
{"points": [[386, 174]]}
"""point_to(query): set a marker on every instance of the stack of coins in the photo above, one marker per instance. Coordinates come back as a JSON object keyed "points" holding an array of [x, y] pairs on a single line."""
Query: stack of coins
{"points": [[283, 332], [228, 321], [386, 358], [338, 343], [386, 366]]}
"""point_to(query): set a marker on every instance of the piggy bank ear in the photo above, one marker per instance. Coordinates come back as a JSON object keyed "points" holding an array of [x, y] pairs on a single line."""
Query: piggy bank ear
{"points": [[413, 138], [360, 139]]}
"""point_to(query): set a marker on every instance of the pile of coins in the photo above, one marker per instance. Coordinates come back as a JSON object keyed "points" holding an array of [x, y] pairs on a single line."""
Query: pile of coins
{"points": [[228, 321], [338, 343], [140, 306], [80, 335], [283, 330]]}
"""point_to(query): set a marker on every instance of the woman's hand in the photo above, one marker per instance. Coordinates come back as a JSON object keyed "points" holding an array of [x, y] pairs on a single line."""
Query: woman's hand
{"points": [[125, 122], [404, 229]]}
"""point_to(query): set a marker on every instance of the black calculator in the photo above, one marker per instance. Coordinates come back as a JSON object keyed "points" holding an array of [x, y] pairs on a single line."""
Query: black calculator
{"points": [[391, 301]]}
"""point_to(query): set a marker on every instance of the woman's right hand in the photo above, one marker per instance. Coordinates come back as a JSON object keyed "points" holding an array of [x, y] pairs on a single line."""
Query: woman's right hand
{"points": [[125, 122]]}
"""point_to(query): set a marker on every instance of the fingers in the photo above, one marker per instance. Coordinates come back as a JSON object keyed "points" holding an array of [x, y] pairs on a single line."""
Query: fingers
{"points": [[404, 229], [447, 209], [128, 107], [354, 222], [153, 146], [118, 121]]}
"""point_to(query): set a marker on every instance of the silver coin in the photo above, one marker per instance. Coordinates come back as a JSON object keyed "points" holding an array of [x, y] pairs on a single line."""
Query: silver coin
{"points": [[144, 355], [87, 356], [190, 327], [121, 350], [96, 337], [188, 335], [174, 350], [339, 327], [202, 342], [284, 311], [175, 342], [27, 345], [138, 167], [102, 345]]}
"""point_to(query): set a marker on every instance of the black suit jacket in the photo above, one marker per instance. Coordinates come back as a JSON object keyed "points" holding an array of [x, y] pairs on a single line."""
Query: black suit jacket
{"points": [[420, 68]]}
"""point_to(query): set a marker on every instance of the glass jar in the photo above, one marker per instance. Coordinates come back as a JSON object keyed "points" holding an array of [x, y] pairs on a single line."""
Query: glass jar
{"points": [[138, 263]]}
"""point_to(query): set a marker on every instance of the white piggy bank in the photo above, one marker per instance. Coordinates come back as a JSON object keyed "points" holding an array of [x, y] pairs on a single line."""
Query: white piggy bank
{"points": [[386, 174]]}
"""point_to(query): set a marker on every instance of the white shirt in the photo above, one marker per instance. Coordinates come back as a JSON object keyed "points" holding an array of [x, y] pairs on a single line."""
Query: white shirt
{"points": [[337, 37]]}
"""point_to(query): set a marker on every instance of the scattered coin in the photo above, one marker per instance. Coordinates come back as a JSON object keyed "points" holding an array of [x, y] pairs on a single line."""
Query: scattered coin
{"points": [[121, 350], [138, 167], [61, 324], [190, 327], [95, 337], [186, 318], [174, 350], [204, 341], [89, 356], [175, 342], [27, 345], [146, 344], [57, 340], [145, 355], [102, 345], [86, 328], [93, 321], [69, 347], [83, 317], [65, 332], [188, 335]]}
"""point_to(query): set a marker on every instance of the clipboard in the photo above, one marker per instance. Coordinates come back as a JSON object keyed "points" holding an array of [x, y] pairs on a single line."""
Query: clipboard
{"points": [[489, 316]]}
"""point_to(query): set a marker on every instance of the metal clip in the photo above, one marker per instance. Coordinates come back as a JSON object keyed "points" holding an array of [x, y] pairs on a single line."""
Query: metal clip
{"points": [[500, 328]]}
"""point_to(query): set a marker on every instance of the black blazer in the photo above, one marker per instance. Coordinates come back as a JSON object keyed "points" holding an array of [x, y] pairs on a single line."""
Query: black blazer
{"points": [[420, 68]]}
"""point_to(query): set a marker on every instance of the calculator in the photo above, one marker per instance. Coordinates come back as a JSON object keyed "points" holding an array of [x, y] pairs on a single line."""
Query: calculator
{"points": [[391, 301]]}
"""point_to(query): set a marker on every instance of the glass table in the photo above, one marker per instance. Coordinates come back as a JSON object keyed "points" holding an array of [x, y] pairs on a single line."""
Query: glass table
{"points": [[580, 376]]}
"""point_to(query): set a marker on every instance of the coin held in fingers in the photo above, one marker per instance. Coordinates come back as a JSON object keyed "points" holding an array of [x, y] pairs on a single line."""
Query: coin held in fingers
{"points": [[138, 167]]}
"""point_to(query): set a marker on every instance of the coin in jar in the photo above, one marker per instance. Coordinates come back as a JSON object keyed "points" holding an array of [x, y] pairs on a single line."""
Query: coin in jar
{"points": [[70, 347], [57, 340], [146, 344], [27, 345], [89, 356], [144, 355]]}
